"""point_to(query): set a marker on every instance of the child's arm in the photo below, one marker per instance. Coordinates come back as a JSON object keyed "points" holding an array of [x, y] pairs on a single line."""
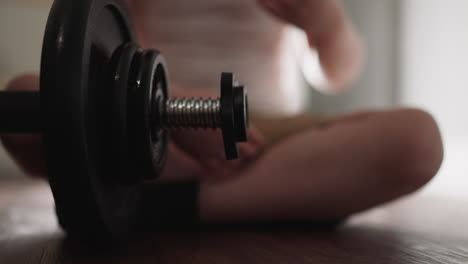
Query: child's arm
{"points": [[330, 31]]}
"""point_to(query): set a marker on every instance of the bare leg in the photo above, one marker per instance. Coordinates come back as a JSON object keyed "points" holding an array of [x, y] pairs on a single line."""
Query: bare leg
{"points": [[354, 163]]}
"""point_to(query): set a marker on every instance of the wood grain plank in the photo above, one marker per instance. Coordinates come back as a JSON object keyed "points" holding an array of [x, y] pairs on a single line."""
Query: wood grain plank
{"points": [[29, 234]]}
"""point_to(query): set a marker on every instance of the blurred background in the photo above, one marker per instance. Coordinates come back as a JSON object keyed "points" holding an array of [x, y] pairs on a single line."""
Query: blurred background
{"points": [[417, 56]]}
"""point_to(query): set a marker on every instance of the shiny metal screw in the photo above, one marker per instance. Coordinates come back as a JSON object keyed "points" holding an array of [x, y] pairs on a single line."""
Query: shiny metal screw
{"points": [[202, 113], [229, 113]]}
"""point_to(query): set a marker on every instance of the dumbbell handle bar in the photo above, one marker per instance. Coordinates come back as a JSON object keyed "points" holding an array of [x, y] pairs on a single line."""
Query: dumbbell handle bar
{"points": [[20, 112]]}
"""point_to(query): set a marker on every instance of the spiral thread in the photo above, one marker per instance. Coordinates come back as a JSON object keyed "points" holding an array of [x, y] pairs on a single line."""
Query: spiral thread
{"points": [[193, 113]]}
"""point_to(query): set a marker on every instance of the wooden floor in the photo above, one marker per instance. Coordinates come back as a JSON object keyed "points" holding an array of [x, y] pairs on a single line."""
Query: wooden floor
{"points": [[414, 230]]}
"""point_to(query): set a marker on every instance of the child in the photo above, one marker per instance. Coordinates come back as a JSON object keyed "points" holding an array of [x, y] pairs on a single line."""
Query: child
{"points": [[296, 167]]}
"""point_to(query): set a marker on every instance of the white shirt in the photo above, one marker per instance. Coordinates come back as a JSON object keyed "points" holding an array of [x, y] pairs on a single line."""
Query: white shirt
{"points": [[200, 39]]}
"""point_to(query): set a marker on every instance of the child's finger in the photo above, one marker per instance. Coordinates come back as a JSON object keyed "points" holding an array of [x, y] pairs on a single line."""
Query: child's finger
{"points": [[255, 137], [274, 8]]}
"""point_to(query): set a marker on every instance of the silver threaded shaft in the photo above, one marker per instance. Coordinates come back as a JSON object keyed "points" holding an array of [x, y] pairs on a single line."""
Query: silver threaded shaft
{"points": [[193, 113]]}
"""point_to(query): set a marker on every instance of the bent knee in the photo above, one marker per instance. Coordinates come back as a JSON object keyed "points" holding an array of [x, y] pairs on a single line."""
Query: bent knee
{"points": [[416, 150]]}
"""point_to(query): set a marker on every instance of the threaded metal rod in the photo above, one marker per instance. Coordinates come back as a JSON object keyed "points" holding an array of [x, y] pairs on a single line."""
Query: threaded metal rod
{"points": [[193, 113]]}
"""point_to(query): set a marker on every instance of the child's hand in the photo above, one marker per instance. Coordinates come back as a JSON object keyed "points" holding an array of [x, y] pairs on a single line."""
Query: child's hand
{"points": [[330, 31], [311, 15], [206, 146]]}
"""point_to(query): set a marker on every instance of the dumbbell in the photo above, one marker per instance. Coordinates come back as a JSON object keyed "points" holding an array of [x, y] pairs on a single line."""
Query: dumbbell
{"points": [[104, 112]]}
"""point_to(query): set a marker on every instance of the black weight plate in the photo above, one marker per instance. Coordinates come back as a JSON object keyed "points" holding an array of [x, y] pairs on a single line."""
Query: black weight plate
{"points": [[136, 141], [147, 92], [80, 38], [227, 115], [241, 113]]}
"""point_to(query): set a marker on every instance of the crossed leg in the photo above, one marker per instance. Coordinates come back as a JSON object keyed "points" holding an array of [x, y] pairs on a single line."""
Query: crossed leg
{"points": [[326, 174]]}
